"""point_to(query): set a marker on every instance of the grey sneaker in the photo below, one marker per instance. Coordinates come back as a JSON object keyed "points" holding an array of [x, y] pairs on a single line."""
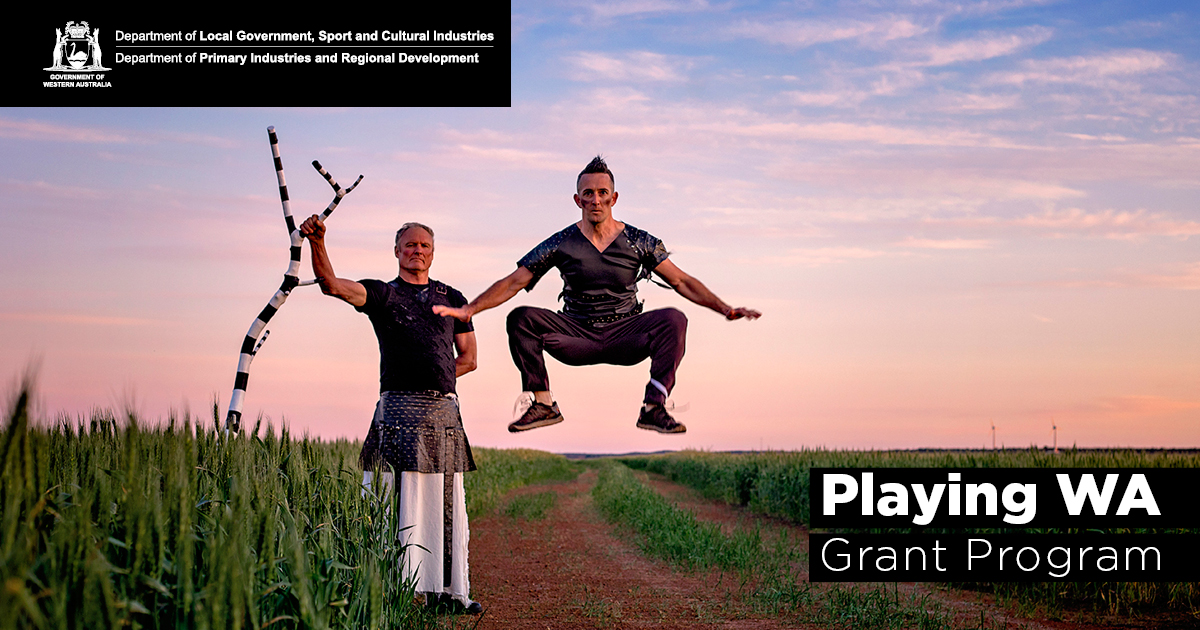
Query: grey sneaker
{"points": [[656, 418], [538, 415]]}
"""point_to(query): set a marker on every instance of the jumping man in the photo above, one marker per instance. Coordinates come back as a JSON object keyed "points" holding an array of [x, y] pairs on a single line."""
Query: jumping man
{"points": [[601, 261]]}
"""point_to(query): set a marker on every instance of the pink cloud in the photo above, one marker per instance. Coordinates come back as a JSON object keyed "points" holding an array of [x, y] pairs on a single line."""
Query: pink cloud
{"points": [[855, 132], [1097, 70], [950, 243], [642, 7], [78, 319], [638, 66], [39, 130], [821, 256], [1143, 405], [517, 158], [1109, 223], [800, 34], [986, 46], [53, 132], [1186, 280]]}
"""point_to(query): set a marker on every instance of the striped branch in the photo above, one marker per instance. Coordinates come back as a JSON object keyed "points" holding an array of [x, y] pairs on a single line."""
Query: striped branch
{"points": [[337, 190], [291, 279]]}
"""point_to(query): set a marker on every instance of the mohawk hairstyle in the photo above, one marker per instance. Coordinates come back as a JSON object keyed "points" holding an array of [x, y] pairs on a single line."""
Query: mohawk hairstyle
{"points": [[597, 165]]}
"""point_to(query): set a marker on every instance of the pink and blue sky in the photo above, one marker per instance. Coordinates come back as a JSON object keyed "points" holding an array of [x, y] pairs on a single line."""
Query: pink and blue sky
{"points": [[952, 214]]}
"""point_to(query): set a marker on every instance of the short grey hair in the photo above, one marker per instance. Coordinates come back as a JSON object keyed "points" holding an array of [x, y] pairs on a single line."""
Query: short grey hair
{"points": [[412, 224]]}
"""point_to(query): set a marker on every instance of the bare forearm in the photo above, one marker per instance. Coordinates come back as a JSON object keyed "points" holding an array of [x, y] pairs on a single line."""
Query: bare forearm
{"points": [[322, 268], [346, 290], [495, 295], [464, 344], [696, 292], [501, 291], [350, 291], [463, 364]]}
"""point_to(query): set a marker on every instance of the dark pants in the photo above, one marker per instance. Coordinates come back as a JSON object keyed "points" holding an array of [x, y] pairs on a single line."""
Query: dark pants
{"points": [[659, 335]]}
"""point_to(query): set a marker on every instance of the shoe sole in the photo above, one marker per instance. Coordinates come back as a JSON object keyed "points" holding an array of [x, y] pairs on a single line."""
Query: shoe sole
{"points": [[679, 428], [544, 422]]}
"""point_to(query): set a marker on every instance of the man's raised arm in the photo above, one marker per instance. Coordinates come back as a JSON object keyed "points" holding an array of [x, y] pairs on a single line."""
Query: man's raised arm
{"points": [[696, 292], [350, 291], [500, 292]]}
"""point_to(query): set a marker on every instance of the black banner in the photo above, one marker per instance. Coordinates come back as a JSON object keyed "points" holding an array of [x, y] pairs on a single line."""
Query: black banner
{"points": [[1004, 558], [440, 55], [1003, 498]]}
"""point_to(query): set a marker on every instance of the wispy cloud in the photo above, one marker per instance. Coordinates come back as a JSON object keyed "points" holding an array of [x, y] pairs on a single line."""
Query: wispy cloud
{"points": [[1078, 223], [951, 243], [925, 184], [983, 46], [53, 132], [1097, 70], [822, 256], [1144, 405], [514, 158], [1141, 28], [1177, 278], [623, 8], [210, 140], [846, 98], [47, 190], [1108, 137], [802, 34], [977, 103], [856, 132], [908, 68], [636, 67], [1108, 223], [1187, 279], [78, 319]]}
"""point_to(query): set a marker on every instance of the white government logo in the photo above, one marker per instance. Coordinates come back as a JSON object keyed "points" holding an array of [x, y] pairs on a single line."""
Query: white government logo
{"points": [[77, 49]]}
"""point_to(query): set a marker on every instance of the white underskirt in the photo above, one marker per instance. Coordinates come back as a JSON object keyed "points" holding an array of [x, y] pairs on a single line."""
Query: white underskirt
{"points": [[421, 528]]}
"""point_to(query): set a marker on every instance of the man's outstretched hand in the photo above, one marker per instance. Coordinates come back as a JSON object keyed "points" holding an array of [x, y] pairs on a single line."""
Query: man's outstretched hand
{"points": [[740, 312], [460, 313]]}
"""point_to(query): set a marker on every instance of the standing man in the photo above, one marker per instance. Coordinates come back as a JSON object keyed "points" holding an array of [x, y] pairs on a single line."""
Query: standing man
{"points": [[601, 261], [417, 431]]}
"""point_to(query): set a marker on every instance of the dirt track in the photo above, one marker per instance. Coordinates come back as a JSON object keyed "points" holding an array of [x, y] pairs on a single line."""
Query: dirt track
{"points": [[571, 569], [568, 570]]}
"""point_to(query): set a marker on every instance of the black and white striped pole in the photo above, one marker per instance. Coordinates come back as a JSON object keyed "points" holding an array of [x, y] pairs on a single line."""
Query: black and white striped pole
{"points": [[291, 279]]}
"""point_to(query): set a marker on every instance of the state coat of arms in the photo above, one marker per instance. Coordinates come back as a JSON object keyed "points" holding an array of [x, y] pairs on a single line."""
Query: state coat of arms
{"points": [[77, 49]]}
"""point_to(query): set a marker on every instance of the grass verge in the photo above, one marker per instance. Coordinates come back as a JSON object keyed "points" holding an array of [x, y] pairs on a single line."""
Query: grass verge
{"points": [[776, 483], [531, 507], [502, 470], [765, 570]]}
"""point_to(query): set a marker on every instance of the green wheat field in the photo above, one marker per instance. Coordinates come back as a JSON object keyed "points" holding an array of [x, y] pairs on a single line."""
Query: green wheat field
{"points": [[111, 522], [108, 523]]}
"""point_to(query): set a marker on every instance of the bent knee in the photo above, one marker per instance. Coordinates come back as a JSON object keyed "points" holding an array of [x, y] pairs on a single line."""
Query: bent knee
{"points": [[518, 316], [675, 318]]}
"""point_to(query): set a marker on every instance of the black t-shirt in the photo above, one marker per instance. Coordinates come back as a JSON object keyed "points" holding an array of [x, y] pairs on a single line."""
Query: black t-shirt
{"points": [[596, 284], [416, 346]]}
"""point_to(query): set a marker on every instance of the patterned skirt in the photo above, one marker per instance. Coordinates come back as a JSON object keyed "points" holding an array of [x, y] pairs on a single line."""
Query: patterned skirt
{"points": [[417, 432]]}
